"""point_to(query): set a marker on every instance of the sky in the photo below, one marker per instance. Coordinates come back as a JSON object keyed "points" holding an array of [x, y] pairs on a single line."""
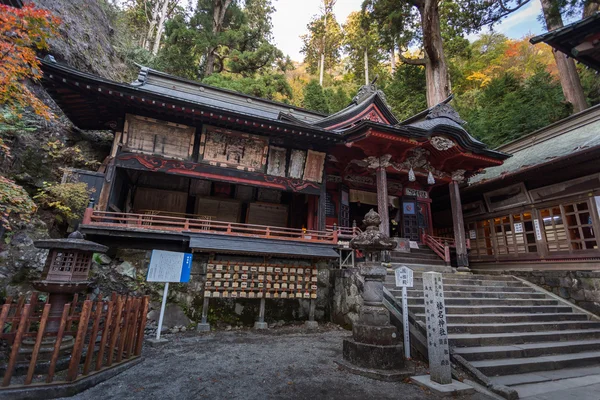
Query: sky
{"points": [[292, 17]]}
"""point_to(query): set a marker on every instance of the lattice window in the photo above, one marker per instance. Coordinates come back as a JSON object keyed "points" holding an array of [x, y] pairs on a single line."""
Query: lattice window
{"points": [[554, 229], [69, 266], [579, 226], [481, 244]]}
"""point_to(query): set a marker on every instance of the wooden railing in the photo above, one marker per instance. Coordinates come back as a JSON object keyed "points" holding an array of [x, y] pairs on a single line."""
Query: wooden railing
{"points": [[344, 232], [441, 245], [92, 336], [176, 224]]}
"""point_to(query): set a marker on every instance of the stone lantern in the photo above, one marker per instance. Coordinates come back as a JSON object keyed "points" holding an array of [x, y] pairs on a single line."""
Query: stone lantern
{"points": [[66, 272], [375, 343]]}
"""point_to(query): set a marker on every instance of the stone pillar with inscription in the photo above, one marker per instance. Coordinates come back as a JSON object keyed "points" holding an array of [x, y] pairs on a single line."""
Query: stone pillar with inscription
{"points": [[437, 331], [375, 343], [460, 239]]}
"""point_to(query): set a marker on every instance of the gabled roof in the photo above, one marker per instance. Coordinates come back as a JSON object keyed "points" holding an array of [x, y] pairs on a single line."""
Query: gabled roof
{"points": [[580, 40], [443, 118], [572, 135], [92, 102], [161, 83], [369, 103]]}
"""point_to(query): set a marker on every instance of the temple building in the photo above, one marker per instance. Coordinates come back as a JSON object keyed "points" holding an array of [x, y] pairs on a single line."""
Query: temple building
{"points": [[192, 166]]}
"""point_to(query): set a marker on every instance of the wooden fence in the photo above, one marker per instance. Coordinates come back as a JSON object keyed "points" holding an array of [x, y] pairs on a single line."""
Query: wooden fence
{"points": [[92, 336]]}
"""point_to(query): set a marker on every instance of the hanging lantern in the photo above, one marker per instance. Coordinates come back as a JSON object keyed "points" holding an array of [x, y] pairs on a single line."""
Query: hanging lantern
{"points": [[430, 179], [411, 175]]}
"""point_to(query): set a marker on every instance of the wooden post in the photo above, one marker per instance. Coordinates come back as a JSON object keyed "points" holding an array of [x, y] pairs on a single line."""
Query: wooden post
{"points": [[460, 241], [87, 216], [58, 342], [93, 336], [115, 331], [105, 333], [16, 345], [382, 200], [140, 334], [79, 341], [38, 344], [322, 208], [124, 331]]}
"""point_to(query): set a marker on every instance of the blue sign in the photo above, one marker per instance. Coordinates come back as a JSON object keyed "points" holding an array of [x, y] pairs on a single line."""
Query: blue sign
{"points": [[169, 266]]}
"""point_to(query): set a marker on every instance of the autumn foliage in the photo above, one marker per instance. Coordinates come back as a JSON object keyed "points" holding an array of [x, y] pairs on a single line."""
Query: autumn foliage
{"points": [[23, 32]]}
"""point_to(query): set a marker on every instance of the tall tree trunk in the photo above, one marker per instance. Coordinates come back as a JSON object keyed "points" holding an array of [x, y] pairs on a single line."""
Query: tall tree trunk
{"points": [[321, 68], [436, 69], [393, 60], [219, 11], [590, 7], [366, 67], [151, 25], [567, 72], [161, 26]]}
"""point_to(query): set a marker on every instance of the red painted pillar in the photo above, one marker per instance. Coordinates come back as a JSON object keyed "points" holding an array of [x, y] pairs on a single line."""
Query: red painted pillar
{"points": [[310, 219]]}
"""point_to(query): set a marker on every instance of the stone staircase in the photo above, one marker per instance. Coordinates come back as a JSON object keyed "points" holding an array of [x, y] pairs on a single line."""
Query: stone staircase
{"points": [[421, 259], [512, 332]]}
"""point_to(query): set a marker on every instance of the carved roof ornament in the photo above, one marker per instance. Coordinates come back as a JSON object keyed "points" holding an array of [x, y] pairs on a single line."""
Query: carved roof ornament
{"points": [[367, 91], [418, 159], [458, 175], [371, 241], [373, 162], [441, 143], [443, 110]]}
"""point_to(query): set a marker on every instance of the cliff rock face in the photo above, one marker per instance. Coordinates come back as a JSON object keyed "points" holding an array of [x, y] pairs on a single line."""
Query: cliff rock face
{"points": [[86, 37], [85, 42]]}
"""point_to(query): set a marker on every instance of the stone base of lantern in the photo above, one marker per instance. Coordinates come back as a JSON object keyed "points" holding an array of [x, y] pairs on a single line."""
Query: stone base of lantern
{"points": [[375, 356], [44, 355], [390, 375]]}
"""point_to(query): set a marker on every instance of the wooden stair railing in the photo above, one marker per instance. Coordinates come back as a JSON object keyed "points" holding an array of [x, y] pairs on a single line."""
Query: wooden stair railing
{"points": [[440, 246]]}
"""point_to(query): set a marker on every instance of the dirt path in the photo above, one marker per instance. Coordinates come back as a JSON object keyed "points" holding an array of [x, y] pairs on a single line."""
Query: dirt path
{"points": [[279, 364]]}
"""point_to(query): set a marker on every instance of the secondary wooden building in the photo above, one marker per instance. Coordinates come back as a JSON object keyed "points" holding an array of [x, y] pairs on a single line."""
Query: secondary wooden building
{"points": [[540, 209]]}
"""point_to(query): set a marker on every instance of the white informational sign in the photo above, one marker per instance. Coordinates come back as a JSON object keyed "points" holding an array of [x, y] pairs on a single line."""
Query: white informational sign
{"points": [[538, 229], [169, 266], [404, 276], [414, 245], [472, 234], [404, 279], [519, 227]]}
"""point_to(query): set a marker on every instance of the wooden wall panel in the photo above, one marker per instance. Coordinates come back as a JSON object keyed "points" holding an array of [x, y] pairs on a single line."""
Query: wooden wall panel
{"points": [[159, 200], [267, 214], [227, 210], [147, 135]]}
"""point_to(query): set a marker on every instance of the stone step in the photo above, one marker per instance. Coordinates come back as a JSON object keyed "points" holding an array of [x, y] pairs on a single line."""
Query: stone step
{"points": [[509, 318], [522, 327], [416, 260], [491, 339], [418, 283], [487, 289], [545, 376], [533, 364], [527, 350], [477, 295], [419, 268], [497, 309], [491, 301]]}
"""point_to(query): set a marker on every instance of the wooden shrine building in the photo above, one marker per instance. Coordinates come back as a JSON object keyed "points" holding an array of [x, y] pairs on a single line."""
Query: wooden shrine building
{"points": [[194, 166]]}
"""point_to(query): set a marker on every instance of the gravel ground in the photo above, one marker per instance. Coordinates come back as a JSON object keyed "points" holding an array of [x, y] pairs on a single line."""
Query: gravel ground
{"points": [[284, 363]]}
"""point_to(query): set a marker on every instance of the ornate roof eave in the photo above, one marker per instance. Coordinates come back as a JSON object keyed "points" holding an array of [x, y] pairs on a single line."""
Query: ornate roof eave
{"points": [[408, 133], [569, 38], [355, 108], [95, 85]]}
